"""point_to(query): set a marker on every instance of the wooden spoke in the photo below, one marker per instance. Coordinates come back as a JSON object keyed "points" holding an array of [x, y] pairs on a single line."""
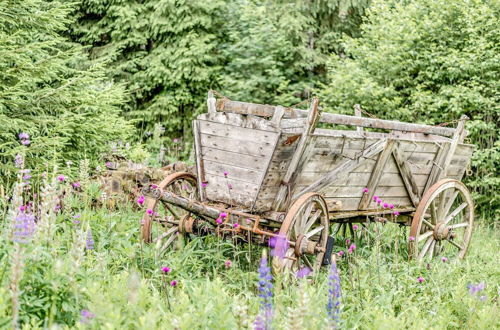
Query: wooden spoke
{"points": [[424, 236], [449, 204], [459, 225], [314, 231], [428, 223], [434, 213], [425, 247], [311, 220], [455, 212], [431, 249], [455, 244]]}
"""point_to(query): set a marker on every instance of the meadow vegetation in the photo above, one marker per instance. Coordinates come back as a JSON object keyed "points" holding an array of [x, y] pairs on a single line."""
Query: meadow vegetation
{"points": [[81, 79]]}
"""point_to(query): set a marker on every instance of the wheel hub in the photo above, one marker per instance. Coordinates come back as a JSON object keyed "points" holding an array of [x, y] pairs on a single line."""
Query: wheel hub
{"points": [[441, 231], [304, 245]]}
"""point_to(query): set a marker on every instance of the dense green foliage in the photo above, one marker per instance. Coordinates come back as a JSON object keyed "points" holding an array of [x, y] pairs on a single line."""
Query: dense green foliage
{"points": [[120, 281], [429, 61], [169, 53], [49, 90]]}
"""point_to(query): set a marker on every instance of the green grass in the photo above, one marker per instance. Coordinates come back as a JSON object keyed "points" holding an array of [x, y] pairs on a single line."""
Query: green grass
{"points": [[121, 283]]}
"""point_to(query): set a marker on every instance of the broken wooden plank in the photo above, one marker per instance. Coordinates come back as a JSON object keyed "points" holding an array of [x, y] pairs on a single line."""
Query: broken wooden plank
{"points": [[199, 161]]}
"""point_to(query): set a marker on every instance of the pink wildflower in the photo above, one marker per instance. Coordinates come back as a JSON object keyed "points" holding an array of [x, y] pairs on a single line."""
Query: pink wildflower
{"points": [[149, 211], [23, 208], [26, 142], [420, 279], [76, 184], [219, 221], [347, 241], [411, 238], [225, 173], [365, 190], [140, 200], [386, 205], [341, 253], [173, 283], [379, 201], [355, 227], [235, 225], [230, 186], [375, 198], [166, 270], [444, 259], [352, 248], [396, 213], [391, 206], [228, 264], [204, 184], [61, 178], [154, 186], [223, 215]]}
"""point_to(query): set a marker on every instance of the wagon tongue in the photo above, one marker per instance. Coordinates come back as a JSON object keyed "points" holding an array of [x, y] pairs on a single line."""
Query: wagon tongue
{"points": [[328, 253]]}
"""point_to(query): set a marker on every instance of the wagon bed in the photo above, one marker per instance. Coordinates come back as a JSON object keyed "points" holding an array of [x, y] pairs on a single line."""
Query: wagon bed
{"points": [[273, 166]]}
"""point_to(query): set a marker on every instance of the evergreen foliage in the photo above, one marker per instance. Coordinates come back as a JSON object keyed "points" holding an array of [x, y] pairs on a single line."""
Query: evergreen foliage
{"points": [[428, 61], [48, 90]]}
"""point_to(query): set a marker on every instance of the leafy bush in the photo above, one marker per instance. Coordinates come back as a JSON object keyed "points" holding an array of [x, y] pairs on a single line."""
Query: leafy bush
{"points": [[49, 90], [429, 61]]}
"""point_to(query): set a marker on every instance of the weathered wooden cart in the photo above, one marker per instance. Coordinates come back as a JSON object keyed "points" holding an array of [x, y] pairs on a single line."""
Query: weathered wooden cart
{"points": [[268, 171]]}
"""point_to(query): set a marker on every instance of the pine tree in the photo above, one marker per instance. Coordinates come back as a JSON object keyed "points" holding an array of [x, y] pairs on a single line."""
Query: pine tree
{"points": [[49, 90]]}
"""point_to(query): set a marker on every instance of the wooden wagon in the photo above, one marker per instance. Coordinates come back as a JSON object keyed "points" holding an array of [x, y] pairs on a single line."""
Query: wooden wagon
{"points": [[269, 171]]}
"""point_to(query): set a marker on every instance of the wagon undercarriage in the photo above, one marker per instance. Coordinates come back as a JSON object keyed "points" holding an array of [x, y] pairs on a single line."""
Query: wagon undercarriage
{"points": [[267, 173]]}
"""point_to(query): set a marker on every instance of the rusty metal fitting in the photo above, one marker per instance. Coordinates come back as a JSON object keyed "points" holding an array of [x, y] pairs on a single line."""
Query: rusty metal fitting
{"points": [[441, 231]]}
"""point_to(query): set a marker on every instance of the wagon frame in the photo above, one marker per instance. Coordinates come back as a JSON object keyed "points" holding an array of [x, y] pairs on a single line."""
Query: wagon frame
{"points": [[269, 171]]}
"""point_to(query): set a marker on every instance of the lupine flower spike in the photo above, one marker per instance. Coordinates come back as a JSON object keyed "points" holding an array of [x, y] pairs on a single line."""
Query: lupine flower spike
{"points": [[264, 318], [334, 295], [89, 243]]}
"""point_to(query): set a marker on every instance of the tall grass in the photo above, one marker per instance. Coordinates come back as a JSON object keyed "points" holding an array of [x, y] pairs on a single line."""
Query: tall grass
{"points": [[119, 283]]}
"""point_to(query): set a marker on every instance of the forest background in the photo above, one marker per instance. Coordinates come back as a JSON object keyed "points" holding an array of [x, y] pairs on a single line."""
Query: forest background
{"points": [[77, 75]]}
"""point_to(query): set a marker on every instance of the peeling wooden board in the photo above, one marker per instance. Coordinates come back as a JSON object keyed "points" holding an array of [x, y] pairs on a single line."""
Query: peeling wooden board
{"points": [[237, 146], [249, 121], [406, 174], [234, 172], [235, 159]]}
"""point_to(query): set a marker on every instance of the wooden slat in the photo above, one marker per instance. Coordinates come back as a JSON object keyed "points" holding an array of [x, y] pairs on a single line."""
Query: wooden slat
{"points": [[349, 204], [237, 146], [343, 169], [376, 174], [268, 111], [234, 172], [235, 159], [407, 176], [437, 165], [236, 132]]}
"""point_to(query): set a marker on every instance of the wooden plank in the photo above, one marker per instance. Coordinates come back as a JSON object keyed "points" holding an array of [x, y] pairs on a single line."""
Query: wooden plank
{"points": [[199, 161], [437, 166], [234, 119], [407, 176], [236, 132], [343, 169], [241, 193], [237, 146], [235, 159], [376, 174], [357, 113], [353, 191], [234, 172], [211, 102], [303, 144], [268, 111]]}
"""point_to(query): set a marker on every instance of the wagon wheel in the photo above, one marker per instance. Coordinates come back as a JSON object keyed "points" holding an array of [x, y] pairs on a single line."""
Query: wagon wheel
{"points": [[306, 225], [442, 224], [160, 223]]}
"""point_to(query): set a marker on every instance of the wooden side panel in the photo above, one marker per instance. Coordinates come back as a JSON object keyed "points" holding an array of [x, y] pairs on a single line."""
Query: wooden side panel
{"points": [[236, 152]]}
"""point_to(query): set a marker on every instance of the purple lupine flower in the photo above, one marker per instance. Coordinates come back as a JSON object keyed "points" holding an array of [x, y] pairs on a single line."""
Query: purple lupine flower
{"points": [[334, 294], [279, 245], [474, 289], [23, 136], [26, 177], [89, 243], [19, 161], [86, 316], [303, 272], [265, 293], [259, 323], [24, 227]]}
